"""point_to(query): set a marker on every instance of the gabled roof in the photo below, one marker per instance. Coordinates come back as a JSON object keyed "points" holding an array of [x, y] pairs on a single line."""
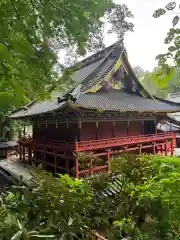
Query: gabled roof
{"points": [[96, 70], [106, 81]]}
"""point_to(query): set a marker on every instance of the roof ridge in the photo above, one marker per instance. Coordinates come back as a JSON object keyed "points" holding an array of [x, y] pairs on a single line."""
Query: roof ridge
{"points": [[91, 75], [109, 50], [94, 57]]}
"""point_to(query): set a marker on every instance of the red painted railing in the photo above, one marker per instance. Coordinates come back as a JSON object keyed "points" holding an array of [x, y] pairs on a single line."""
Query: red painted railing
{"points": [[98, 144], [122, 141]]}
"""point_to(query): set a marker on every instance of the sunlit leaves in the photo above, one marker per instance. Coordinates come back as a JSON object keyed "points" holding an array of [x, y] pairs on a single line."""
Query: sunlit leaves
{"points": [[159, 12], [175, 20], [86, 14], [170, 6], [162, 75]]}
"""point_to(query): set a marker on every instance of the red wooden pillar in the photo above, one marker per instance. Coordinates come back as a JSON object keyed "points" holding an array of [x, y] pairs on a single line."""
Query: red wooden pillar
{"points": [[173, 144], [174, 141], [166, 147], [172, 147], [76, 160]]}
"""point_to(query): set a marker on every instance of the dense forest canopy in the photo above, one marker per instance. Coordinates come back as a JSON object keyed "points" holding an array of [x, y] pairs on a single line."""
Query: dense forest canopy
{"points": [[33, 32]]}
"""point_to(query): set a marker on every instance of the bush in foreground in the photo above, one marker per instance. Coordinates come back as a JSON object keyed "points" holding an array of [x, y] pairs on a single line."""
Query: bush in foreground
{"points": [[139, 199]]}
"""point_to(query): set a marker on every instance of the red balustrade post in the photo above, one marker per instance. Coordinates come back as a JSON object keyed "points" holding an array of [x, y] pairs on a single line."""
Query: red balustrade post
{"points": [[76, 144], [108, 159], [166, 147], [173, 144]]}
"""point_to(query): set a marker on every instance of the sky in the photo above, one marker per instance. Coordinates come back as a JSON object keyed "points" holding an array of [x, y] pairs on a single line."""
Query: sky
{"points": [[147, 40]]}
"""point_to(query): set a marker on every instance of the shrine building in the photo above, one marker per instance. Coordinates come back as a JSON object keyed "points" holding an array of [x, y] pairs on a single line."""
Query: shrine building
{"points": [[107, 113]]}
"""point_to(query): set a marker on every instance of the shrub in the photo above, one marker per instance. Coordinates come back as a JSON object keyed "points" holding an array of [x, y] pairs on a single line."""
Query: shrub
{"points": [[140, 199]]}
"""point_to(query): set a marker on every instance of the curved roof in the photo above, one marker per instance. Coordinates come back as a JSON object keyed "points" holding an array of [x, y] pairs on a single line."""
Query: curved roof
{"points": [[113, 100], [95, 91]]}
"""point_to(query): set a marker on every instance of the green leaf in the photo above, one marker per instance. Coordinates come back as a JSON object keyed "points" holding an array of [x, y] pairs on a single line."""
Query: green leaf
{"points": [[175, 20], [159, 12], [170, 36], [172, 48], [86, 14], [17, 236], [170, 6], [43, 236], [177, 55], [177, 41]]}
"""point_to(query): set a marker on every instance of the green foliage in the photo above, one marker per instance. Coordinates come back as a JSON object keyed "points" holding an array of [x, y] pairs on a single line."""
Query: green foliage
{"points": [[139, 199], [172, 37], [33, 32], [55, 207], [158, 83]]}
